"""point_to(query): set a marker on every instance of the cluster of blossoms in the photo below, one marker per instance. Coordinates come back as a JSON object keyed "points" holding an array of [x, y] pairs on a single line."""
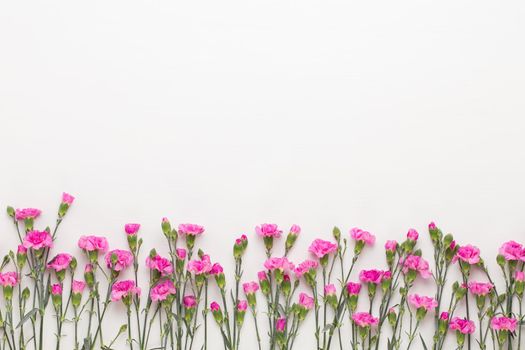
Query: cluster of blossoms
{"points": [[326, 286]]}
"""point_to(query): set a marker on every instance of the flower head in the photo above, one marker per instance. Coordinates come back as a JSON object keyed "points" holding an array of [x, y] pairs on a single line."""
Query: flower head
{"points": [[189, 301], [131, 229], [282, 264], [162, 290], [306, 301], [512, 250], [93, 243], [462, 325], [412, 235], [353, 288], [118, 259], [364, 319], [201, 266], [160, 264], [56, 289], [421, 301], [268, 230], [60, 262], [503, 323], [305, 267], [418, 264], [391, 246], [190, 229], [8, 279], [280, 325], [371, 276], [124, 289], [361, 235], [181, 253], [250, 287], [320, 248], [329, 289], [295, 229], [480, 288], [27, 213], [78, 286], [38, 240], [468, 254], [67, 198]]}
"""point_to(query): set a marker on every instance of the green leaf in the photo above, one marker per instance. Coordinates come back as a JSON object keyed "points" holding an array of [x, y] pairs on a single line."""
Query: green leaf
{"points": [[27, 317], [423, 341]]}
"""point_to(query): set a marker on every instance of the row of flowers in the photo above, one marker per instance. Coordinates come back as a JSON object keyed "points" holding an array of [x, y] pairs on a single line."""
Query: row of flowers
{"points": [[177, 297]]}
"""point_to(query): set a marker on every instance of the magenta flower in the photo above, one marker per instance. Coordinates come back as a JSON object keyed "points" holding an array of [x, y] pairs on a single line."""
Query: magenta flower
{"points": [[261, 275], [329, 289], [131, 229], [364, 319], [242, 305], [420, 301], [162, 290], [181, 253], [250, 287], [27, 213], [503, 323], [93, 243], [391, 246], [371, 276], [60, 262], [78, 286], [8, 279], [38, 240], [160, 264], [122, 289], [444, 316], [280, 325], [189, 301], [56, 289], [21, 249], [268, 230], [361, 235], [418, 264], [462, 325], [467, 254], [190, 229], [124, 259], [214, 306], [512, 250], [305, 267], [432, 226], [67, 198], [320, 248], [295, 229], [353, 288], [480, 288], [282, 264], [201, 266], [519, 276], [241, 240], [306, 301], [412, 235]]}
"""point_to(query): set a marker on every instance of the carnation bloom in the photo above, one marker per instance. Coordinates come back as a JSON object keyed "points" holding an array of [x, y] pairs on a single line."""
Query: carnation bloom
{"points": [[412, 235], [268, 230], [261, 275], [201, 266], [305, 267], [462, 325], [181, 253], [38, 240], [280, 325], [124, 259], [214, 306], [27, 213], [21, 249], [519, 276], [444, 316], [56, 289], [306, 301], [468, 254], [295, 229], [329, 289], [353, 288], [67, 198], [432, 226], [512, 250], [361, 235], [364, 319], [480, 288], [242, 305], [391, 245], [160, 264], [216, 269], [250, 287], [241, 240], [93, 243], [60, 262], [282, 264], [8, 279], [416, 263], [503, 323], [131, 229], [123, 289], [371, 276], [189, 301], [78, 286], [162, 290], [320, 248], [422, 301], [190, 229]]}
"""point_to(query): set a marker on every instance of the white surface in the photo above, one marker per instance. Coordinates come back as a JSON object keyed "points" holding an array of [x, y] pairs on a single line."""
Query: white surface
{"points": [[383, 115]]}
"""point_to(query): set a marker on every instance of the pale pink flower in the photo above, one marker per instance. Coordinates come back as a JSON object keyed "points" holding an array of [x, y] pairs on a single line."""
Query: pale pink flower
{"points": [[391, 245], [329, 289], [353, 288], [162, 290], [280, 325], [181, 253], [412, 235], [38, 240], [242, 305], [512, 250], [320, 248], [268, 230], [189, 301], [503, 323], [60, 262], [519, 276], [93, 243], [295, 229], [468, 254], [78, 286], [250, 287], [27, 213], [123, 289], [190, 229], [131, 229], [306, 301], [364, 319], [305, 267], [416, 263], [261, 275], [361, 235], [422, 301], [462, 325], [371, 276], [282, 264], [56, 289], [67, 198], [8, 279], [480, 288], [124, 259], [201, 266], [160, 264]]}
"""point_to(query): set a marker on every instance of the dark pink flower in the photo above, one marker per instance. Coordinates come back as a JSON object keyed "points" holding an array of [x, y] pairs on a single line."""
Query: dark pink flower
{"points": [[364, 319], [306, 301], [468, 254], [131, 229], [189, 301], [412, 235], [214, 306], [391, 246], [160, 264], [242, 305], [56, 289], [124, 259], [371, 276], [67, 198], [353, 288], [38, 240], [280, 325], [8, 279], [162, 290], [216, 269], [60, 262], [462, 325], [181, 253], [124, 289], [503, 323], [444, 316], [268, 230]]}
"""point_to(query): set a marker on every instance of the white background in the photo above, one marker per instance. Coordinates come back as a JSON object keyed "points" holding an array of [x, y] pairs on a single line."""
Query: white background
{"points": [[383, 115]]}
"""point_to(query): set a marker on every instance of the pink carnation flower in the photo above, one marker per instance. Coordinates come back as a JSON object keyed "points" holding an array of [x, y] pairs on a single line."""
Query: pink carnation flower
{"points": [[60, 262], [214, 306], [280, 325], [216, 269], [462, 325], [519, 276], [56, 289], [512, 250], [371, 276], [123, 289], [8, 279], [364, 319], [282, 264], [38, 240], [320, 248], [93, 243], [67, 198], [181, 253], [201, 266], [305, 267], [416, 263], [131, 229], [412, 235], [27, 213], [124, 259], [295, 229], [78, 286], [468, 254], [480, 288], [361, 235], [503, 323], [189, 301], [306, 301], [162, 290], [190, 229], [250, 287], [329, 289], [391, 246], [268, 230], [444, 316], [242, 305], [160, 264], [422, 301], [261, 275], [353, 288]]}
